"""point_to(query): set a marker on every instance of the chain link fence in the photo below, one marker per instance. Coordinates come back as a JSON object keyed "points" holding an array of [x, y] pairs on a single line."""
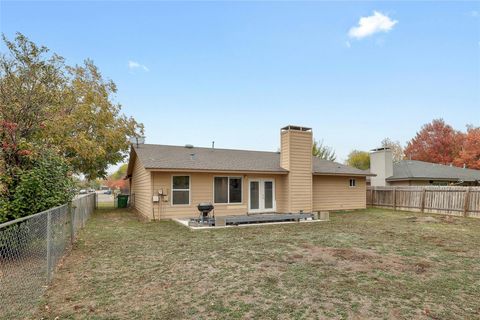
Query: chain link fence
{"points": [[30, 250]]}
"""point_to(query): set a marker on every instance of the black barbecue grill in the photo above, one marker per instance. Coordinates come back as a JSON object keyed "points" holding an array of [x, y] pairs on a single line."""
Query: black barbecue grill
{"points": [[205, 208]]}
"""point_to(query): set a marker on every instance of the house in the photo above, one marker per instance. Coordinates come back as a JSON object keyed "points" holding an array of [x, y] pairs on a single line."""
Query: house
{"points": [[169, 181], [416, 173]]}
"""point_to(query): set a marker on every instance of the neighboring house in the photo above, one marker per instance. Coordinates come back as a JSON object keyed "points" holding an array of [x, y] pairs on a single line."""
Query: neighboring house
{"points": [[416, 173], [169, 181]]}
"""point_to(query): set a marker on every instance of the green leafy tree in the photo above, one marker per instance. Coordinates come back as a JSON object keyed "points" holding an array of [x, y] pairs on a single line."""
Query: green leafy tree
{"points": [[359, 159], [87, 184], [44, 183], [95, 184], [120, 173], [31, 90], [47, 102], [55, 121], [91, 131], [117, 180], [322, 151]]}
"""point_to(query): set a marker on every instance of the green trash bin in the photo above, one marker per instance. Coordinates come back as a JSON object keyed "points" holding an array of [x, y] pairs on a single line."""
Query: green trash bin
{"points": [[122, 200]]}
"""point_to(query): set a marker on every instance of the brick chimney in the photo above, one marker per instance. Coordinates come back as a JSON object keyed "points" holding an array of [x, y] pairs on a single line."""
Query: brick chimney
{"points": [[296, 157]]}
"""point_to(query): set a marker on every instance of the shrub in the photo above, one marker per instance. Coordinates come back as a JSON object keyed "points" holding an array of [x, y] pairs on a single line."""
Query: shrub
{"points": [[45, 184]]}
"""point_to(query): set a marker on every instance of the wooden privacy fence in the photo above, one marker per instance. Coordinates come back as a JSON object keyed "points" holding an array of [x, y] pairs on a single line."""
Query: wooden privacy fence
{"points": [[459, 201]]}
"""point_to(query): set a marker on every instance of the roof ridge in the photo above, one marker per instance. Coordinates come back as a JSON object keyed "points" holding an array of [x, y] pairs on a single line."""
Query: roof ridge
{"points": [[207, 148], [431, 171], [441, 164]]}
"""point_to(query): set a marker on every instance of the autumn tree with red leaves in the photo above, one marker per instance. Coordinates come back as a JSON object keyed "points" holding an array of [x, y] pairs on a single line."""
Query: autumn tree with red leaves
{"points": [[470, 153], [436, 142], [119, 184], [116, 181]]}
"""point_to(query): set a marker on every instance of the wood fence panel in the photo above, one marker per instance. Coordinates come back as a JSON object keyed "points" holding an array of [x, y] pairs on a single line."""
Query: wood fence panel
{"points": [[370, 199], [409, 198], [459, 201], [474, 203]]}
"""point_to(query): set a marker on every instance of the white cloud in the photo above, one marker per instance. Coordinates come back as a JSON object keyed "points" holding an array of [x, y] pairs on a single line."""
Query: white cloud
{"points": [[348, 44], [378, 22], [135, 65], [475, 14]]}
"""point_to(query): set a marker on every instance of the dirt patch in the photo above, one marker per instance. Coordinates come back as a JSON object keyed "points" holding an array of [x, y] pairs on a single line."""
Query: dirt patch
{"points": [[439, 219], [422, 266], [439, 242], [449, 219], [423, 219], [354, 259]]}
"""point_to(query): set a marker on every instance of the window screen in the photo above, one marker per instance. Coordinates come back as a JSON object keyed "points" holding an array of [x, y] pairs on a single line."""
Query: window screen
{"points": [[227, 190], [180, 190], [221, 190], [235, 192]]}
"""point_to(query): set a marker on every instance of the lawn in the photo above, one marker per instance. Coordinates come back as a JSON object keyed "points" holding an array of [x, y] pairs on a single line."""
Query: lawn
{"points": [[363, 264]]}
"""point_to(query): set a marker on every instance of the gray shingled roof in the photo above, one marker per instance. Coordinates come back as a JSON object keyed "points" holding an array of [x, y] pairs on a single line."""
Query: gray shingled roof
{"points": [[330, 167], [183, 158], [419, 170]]}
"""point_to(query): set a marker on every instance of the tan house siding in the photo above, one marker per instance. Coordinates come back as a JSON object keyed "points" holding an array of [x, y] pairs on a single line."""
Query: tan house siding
{"points": [[284, 147], [141, 189], [283, 204], [335, 193], [281, 185], [201, 190], [297, 158]]}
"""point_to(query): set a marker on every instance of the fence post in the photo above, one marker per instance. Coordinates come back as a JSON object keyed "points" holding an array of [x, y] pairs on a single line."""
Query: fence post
{"points": [[49, 250], [467, 202], [83, 215], [394, 198], [373, 196], [422, 204], [72, 222]]}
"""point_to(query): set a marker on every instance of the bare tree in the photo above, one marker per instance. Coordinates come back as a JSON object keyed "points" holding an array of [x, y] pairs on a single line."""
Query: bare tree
{"points": [[322, 151], [396, 147]]}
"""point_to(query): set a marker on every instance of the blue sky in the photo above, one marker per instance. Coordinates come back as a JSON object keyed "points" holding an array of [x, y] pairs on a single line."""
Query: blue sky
{"points": [[236, 72]]}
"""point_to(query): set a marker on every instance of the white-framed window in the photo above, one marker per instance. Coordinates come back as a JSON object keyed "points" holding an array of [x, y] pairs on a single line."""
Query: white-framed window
{"points": [[180, 190], [353, 183], [227, 189]]}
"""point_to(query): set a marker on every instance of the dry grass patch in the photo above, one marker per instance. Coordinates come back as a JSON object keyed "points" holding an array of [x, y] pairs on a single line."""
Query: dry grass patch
{"points": [[351, 259], [373, 264]]}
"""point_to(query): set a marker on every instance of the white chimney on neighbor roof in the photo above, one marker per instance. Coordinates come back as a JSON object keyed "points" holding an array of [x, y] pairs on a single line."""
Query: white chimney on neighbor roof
{"points": [[381, 164]]}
